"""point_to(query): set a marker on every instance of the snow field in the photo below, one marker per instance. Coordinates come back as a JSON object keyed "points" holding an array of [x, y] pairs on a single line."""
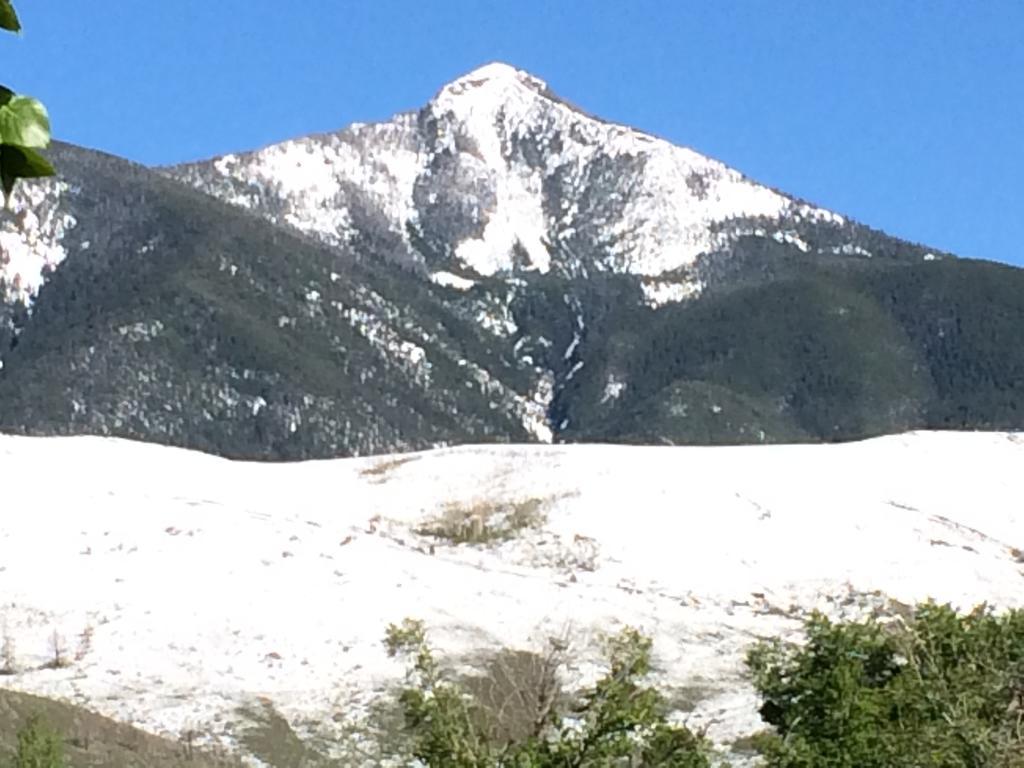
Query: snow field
{"points": [[210, 584]]}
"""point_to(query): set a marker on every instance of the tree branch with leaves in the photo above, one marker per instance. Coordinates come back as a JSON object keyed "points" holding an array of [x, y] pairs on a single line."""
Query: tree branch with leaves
{"points": [[24, 126]]}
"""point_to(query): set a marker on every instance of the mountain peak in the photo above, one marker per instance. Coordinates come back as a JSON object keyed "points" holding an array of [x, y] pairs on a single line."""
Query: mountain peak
{"points": [[496, 73], [503, 172]]}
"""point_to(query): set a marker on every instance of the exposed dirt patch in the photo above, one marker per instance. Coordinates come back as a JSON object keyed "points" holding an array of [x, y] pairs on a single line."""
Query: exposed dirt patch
{"points": [[381, 471], [484, 521], [93, 740]]}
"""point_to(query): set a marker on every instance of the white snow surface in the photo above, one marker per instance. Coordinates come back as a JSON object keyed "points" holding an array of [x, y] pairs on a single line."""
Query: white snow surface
{"points": [[31, 236], [210, 583], [312, 178], [452, 280], [657, 293]]}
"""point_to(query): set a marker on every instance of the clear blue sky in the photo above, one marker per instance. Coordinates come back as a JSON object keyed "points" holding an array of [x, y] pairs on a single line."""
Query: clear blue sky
{"points": [[906, 115]]}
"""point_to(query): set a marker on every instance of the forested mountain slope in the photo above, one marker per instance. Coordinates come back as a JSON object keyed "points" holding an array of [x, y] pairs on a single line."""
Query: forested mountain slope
{"points": [[496, 266]]}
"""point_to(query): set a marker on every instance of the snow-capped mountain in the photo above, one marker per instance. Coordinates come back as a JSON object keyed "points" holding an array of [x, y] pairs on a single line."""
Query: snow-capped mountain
{"points": [[208, 588], [498, 175], [496, 266]]}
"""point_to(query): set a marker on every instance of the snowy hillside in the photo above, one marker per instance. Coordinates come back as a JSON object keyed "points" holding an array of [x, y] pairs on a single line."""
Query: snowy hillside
{"points": [[209, 584]]}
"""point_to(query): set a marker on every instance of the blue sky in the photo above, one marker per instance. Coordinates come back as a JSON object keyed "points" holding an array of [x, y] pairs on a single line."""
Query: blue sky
{"points": [[907, 115]]}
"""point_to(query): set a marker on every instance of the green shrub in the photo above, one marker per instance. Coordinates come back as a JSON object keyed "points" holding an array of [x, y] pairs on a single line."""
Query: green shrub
{"points": [[939, 691], [620, 721], [38, 747]]}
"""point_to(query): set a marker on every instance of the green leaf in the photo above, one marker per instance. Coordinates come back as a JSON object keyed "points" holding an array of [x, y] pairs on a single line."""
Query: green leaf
{"points": [[6, 94], [8, 18], [24, 122], [20, 163]]}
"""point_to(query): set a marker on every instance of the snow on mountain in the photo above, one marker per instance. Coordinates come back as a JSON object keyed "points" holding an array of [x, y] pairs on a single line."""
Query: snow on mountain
{"points": [[31, 237], [500, 174], [210, 584]]}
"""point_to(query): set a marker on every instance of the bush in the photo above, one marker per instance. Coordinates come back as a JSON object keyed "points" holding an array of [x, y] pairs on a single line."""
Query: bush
{"points": [[620, 721], [939, 691], [484, 522], [38, 747]]}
